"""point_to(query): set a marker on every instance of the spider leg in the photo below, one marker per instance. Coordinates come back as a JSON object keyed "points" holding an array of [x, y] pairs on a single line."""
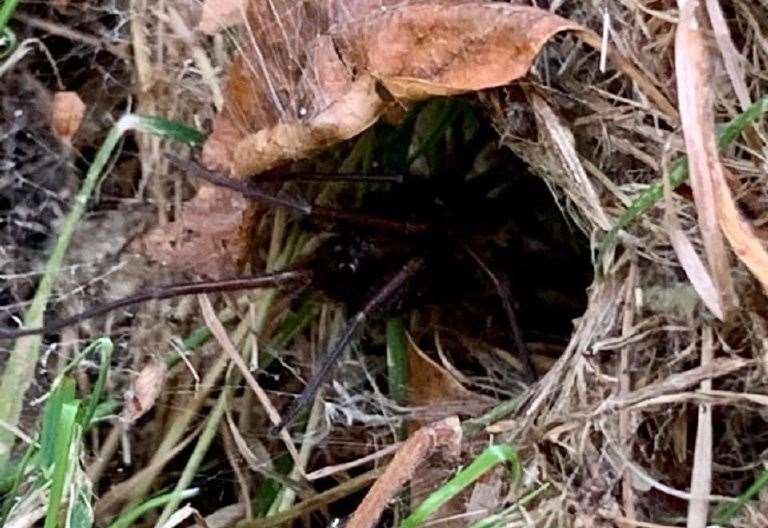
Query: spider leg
{"points": [[502, 290], [164, 292], [325, 213], [353, 177], [329, 361]]}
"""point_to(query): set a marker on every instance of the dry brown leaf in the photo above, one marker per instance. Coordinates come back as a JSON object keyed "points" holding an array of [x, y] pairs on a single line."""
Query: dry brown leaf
{"points": [[218, 148], [292, 92], [145, 389], [431, 385], [472, 47], [66, 115], [437, 49], [416, 51], [695, 100], [741, 235], [212, 237], [221, 14], [270, 81], [692, 265], [329, 74], [357, 110]]}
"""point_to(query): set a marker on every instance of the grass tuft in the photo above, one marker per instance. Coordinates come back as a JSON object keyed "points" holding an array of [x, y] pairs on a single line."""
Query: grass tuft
{"points": [[20, 367]]}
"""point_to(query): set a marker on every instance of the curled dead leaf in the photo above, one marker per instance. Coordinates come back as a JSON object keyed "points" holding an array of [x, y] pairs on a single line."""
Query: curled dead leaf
{"points": [[145, 389], [435, 49], [350, 115], [311, 75], [66, 115], [431, 385], [415, 51], [272, 80], [749, 248]]}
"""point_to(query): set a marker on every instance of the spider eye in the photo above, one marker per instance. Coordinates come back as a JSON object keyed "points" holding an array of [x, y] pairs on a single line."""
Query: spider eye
{"points": [[350, 266]]}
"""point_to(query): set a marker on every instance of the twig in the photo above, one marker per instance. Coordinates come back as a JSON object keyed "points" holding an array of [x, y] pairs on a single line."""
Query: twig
{"points": [[444, 433]]}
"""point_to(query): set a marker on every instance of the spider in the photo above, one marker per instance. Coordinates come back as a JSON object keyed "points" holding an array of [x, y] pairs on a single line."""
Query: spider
{"points": [[443, 238]]}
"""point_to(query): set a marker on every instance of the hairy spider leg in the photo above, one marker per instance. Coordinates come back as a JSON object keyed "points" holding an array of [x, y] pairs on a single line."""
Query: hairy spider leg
{"points": [[165, 292], [352, 177], [326, 213], [384, 294]]}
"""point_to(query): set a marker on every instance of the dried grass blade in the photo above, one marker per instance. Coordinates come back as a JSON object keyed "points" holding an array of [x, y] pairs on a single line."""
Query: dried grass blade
{"points": [[582, 192], [221, 336], [695, 99], [701, 475], [694, 268], [679, 173], [731, 57]]}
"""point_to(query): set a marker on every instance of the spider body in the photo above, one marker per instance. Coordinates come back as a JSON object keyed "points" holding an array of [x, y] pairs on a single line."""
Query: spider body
{"points": [[479, 242], [353, 262], [444, 240]]}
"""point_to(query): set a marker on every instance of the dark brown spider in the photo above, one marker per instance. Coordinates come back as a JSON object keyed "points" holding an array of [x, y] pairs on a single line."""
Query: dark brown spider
{"points": [[436, 240]]}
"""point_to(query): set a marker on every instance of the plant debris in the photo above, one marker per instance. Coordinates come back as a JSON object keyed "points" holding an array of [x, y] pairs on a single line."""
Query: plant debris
{"points": [[649, 409]]}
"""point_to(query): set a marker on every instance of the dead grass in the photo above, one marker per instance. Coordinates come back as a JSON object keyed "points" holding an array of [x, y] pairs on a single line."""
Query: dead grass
{"points": [[652, 416]]}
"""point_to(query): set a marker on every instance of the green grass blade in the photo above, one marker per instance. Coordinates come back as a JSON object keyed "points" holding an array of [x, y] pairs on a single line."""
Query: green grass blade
{"points": [[20, 366], [179, 132], [63, 394], [8, 44], [397, 360], [724, 516], [679, 174], [195, 459], [127, 519], [62, 452], [106, 409], [10, 485], [6, 12], [440, 120], [105, 348], [81, 514], [472, 427], [488, 459]]}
